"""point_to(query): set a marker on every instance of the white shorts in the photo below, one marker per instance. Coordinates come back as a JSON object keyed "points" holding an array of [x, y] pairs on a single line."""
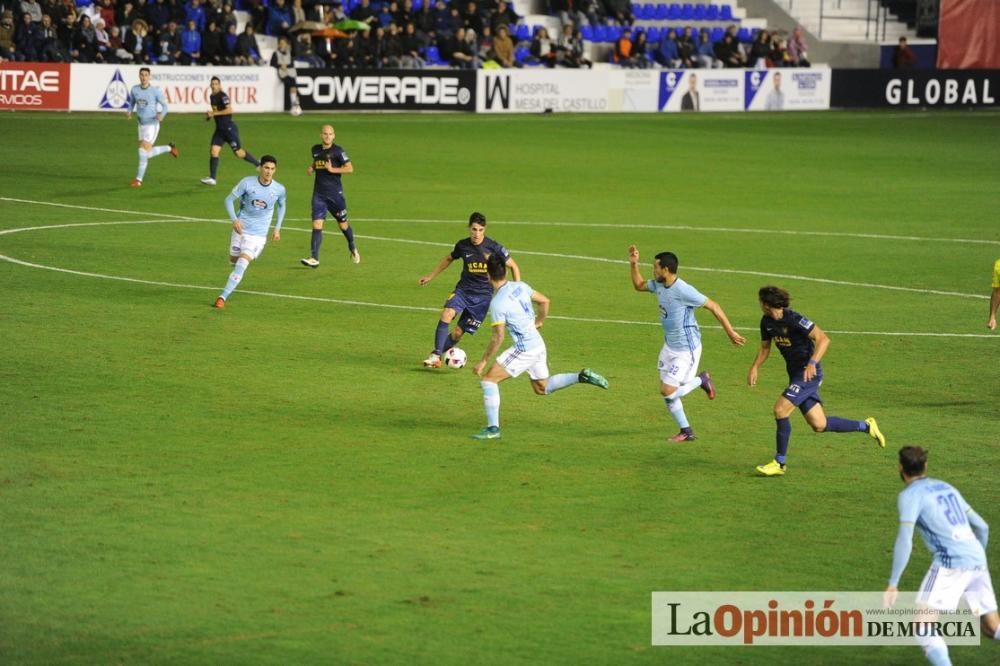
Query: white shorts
{"points": [[246, 244], [678, 367], [943, 588], [148, 133], [535, 361]]}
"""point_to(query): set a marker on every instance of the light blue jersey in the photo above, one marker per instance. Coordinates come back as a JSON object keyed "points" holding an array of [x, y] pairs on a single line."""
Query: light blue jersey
{"points": [[512, 306], [677, 306], [257, 204], [143, 103], [944, 520]]}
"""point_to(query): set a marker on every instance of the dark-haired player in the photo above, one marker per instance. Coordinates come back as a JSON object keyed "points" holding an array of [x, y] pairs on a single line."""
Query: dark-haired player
{"points": [[471, 298], [681, 352], [150, 108], [329, 163], [802, 344], [226, 131], [956, 536]]}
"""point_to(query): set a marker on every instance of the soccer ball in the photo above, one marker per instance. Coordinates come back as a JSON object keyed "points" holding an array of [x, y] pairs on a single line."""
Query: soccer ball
{"points": [[455, 358], [296, 110]]}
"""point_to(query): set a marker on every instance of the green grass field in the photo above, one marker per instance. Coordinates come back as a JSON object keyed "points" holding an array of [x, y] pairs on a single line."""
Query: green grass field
{"points": [[281, 482]]}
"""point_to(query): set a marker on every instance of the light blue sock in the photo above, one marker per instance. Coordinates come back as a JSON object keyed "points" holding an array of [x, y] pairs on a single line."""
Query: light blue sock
{"points": [[143, 163], [235, 276], [491, 401], [938, 656], [996, 634], [557, 382], [687, 387], [677, 410], [158, 150]]}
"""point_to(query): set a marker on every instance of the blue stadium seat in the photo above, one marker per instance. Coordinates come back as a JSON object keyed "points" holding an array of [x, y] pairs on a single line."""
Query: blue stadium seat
{"points": [[674, 13], [661, 12], [725, 13], [522, 33], [433, 56], [687, 11], [744, 34], [418, 5], [712, 13], [644, 12], [587, 32], [521, 54], [717, 33], [654, 35], [699, 12]]}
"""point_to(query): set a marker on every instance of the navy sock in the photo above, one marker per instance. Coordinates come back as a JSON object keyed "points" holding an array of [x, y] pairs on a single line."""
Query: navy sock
{"points": [[213, 167], [782, 436], [449, 342], [315, 242], [441, 337], [251, 159], [349, 235], [837, 424]]}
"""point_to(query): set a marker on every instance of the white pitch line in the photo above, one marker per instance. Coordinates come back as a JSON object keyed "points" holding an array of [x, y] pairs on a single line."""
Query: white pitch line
{"points": [[575, 225]]}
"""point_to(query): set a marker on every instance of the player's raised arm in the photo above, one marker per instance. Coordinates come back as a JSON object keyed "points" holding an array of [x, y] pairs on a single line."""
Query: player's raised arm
{"points": [[720, 315], [633, 260], [443, 264]]}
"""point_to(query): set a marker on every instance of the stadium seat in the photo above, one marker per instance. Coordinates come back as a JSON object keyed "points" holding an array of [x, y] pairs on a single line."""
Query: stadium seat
{"points": [[661, 12], [687, 11], [744, 34], [654, 35], [725, 13], [712, 13], [699, 12], [433, 56], [522, 33], [644, 12], [717, 33], [587, 32], [674, 12]]}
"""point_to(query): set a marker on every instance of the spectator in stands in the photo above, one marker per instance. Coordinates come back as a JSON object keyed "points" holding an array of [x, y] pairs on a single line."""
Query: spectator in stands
{"points": [[640, 50], [190, 44], [760, 51], [83, 47], [459, 52], [118, 52], [137, 42], [102, 41], [227, 19], [279, 18], [405, 14], [798, 54], [304, 51], [170, 44], [569, 12], [107, 13], [7, 45], [484, 45], [619, 11], [283, 60], [47, 47], [687, 47], [229, 40], [668, 54], [127, 14], [344, 53], [727, 51], [246, 46], [392, 48], [258, 14], [412, 43], [504, 15], [543, 49], [159, 16], [503, 47], [25, 38], [691, 101], [32, 9], [370, 47], [55, 10], [385, 15], [904, 57], [195, 11], [779, 55], [471, 18], [364, 13], [623, 48], [298, 14], [211, 45]]}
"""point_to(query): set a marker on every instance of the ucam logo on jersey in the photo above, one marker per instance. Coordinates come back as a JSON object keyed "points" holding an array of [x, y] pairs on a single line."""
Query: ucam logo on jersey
{"points": [[38, 86], [420, 90]]}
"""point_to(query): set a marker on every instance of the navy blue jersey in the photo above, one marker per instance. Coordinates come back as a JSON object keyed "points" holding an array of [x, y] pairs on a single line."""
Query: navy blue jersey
{"points": [[328, 184], [475, 279], [791, 335], [219, 102]]}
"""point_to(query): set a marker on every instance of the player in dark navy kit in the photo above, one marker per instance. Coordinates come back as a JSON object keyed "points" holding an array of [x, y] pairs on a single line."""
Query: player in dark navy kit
{"points": [[226, 132], [803, 344], [329, 163], [472, 295]]}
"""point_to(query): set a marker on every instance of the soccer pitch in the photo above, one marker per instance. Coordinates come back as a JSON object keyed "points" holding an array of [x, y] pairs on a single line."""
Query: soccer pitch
{"points": [[281, 482]]}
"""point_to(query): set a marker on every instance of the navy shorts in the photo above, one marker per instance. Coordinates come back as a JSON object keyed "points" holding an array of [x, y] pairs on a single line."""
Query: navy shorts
{"points": [[335, 204], [229, 135], [472, 309], [803, 394]]}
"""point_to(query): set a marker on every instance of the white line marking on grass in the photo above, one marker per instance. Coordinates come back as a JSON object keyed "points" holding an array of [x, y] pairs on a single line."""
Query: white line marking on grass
{"points": [[415, 308]]}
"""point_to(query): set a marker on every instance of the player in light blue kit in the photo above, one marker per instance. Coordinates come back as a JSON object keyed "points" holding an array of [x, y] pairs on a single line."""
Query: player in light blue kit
{"points": [[150, 108], [681, 350], [956, 536], [258, 197], [513, 309]]}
